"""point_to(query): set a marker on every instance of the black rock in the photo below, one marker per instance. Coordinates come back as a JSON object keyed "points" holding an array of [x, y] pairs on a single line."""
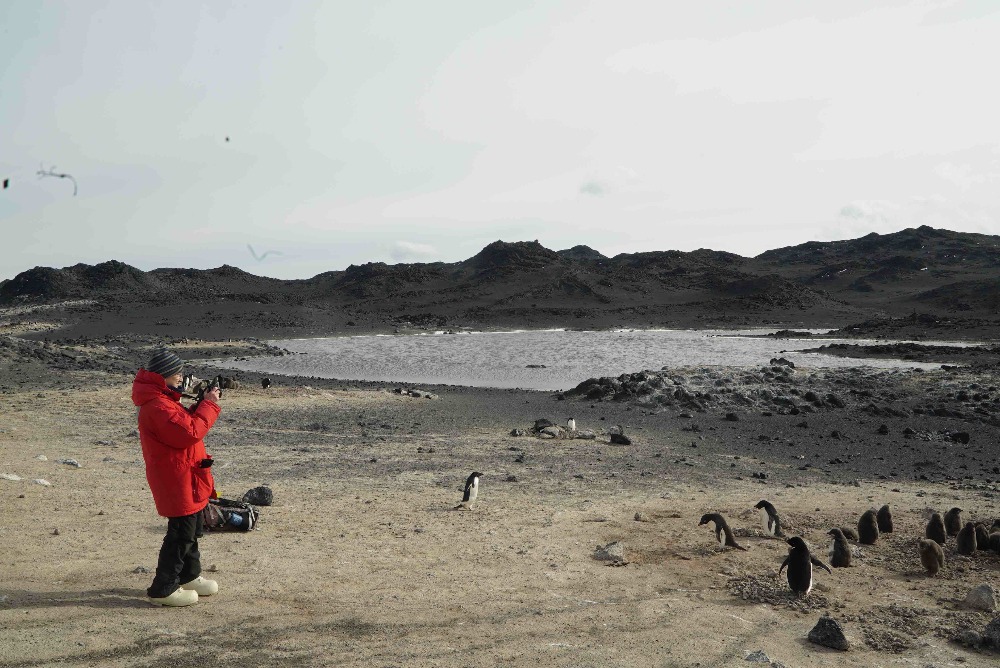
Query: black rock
{"points": [[620, 439], [732, 417], [829, 633], [542, 423], [883, 429], [259, 496]]}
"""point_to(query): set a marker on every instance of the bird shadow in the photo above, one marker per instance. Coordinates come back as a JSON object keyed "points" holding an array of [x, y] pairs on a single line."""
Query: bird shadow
{"points": [[96, 598]]}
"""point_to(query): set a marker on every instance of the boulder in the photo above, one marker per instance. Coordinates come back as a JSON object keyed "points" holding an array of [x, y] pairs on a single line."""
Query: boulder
{"points": [[259, 496], [620, 439], [585, 434], [542, 423], [553, 431], [991, 636], [983, 597], [517, 432], [829, 633]]}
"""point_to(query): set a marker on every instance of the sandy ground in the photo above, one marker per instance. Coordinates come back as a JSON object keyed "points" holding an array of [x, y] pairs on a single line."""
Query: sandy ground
{"points": [[361, 561]]}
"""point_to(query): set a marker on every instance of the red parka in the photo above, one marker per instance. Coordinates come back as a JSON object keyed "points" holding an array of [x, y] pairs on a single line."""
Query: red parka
{"points": [[172, 445]]}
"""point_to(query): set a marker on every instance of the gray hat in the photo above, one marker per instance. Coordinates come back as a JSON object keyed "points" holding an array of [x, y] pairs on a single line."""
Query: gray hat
{"points": [[165, 363]]}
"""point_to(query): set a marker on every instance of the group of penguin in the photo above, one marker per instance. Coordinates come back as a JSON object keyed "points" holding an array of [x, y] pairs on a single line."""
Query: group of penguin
{"points": [[800, 561]]}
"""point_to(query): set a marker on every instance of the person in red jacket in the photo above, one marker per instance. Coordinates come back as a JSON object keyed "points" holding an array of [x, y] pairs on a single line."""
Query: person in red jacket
{"points": [[179, 474]]}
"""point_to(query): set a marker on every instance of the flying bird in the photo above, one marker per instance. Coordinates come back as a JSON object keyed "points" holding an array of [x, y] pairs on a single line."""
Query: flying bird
{"points": [[42, 173], [262, 255]]}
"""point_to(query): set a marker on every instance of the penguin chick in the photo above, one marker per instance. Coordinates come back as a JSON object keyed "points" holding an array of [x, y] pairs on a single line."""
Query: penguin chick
{"points": [[840, 549], [965, 543], [953, 521], [850, 533], [995, 541], [935, 529], [769, 519], [931, 555], [800, 566], [722, 531], [884, 518], [868, 528], [471, 491], [982, 537]]}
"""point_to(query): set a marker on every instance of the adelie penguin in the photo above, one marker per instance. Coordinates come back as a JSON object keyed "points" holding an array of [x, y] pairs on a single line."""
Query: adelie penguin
{"points": [[931, 555], [953, 521], [868, 528], [769, 519], [965, 543], [840, 549], [800, 566], [265, 383], [471, 491], [935, 529], [884, 518], [723, 533]]}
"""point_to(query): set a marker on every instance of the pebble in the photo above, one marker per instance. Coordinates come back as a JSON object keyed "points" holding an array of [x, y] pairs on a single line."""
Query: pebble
{"points": [[42, 458], [611, 552], [10, 476], [42, 482], [71, 462], [140, 569]]}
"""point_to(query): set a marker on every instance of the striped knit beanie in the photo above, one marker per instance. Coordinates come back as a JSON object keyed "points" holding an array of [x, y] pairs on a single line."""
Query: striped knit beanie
{"points": [[165, 363]]}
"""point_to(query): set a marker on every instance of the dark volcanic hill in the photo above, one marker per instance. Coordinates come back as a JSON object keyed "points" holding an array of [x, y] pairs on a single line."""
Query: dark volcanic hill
{"points": [[524, 284]]}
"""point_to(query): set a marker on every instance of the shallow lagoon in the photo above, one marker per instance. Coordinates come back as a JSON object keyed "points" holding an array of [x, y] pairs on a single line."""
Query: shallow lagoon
{"points": [[540, 360]]}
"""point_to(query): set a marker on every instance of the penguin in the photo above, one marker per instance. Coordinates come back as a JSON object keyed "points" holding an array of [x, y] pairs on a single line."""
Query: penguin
{"points": [[722, 531], [996, 526], [840, 551], [995, 541], [935, 529], [471, 491], [570, 424], [966, 540], [868, 528], [982, 537], [931, 555], [769, 519], [850, 533], [265, 383], [800, 566], [953, 521], [884, 518]]}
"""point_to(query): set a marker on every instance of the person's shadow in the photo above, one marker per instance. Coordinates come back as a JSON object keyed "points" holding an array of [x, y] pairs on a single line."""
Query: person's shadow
{"points": [[119, 597]]}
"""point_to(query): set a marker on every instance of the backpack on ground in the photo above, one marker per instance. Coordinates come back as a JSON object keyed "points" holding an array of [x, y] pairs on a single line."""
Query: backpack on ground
{"points": [[229, 515]]}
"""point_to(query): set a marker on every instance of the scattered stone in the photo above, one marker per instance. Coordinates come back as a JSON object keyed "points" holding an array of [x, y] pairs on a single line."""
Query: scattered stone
{"points": [[829, 633], [71, 462], [586, 434], [42, 482], [517, 432], [732, 417], [55, 532], [883, 429], [758, 657], [640, 517], [511, 478], [140, 570], [554, 431], [542, 423], [9, 476], [983, 597], [611, 552], [212, 569], [620, 439], [42, 458], [968, 638]]}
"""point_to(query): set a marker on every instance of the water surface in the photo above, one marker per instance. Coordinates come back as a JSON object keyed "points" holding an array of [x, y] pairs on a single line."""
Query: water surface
{"points": [[515, 359]]}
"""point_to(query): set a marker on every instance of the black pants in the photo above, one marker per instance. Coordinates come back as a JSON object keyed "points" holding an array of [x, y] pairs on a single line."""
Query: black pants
{"points": [[180, 561]]}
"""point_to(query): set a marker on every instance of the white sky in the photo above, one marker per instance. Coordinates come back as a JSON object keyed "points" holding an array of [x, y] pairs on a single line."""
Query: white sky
{"points": [[422, 131]]}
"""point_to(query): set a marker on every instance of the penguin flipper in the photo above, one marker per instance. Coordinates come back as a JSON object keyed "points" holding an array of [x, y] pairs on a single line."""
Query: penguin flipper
{"points": [[783, 564], [817, 562]]}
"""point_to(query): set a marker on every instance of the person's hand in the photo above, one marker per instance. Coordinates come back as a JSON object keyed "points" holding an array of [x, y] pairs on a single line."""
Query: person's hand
{"points": [[214, 395]]}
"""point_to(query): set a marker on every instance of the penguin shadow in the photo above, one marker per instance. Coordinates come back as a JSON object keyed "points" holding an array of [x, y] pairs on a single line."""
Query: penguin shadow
{"points": [[108, 599]]}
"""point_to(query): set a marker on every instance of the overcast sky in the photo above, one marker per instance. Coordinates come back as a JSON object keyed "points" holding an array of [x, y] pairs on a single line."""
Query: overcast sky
{"points": [[421, 131]]}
